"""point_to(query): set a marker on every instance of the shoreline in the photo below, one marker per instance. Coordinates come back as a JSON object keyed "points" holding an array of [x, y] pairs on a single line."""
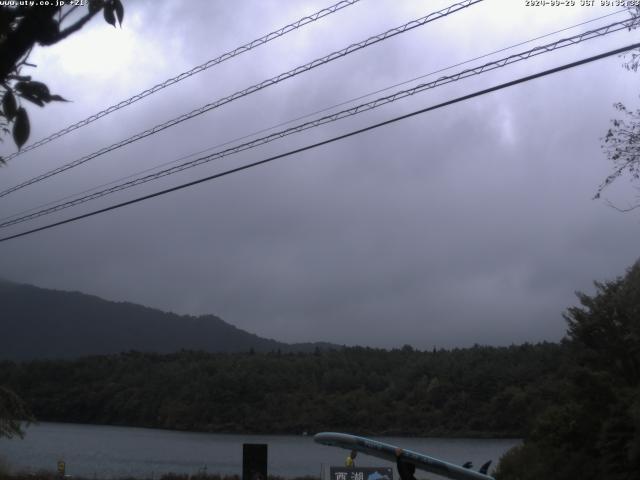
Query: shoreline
{"points": [[51, 475], [436, 434], [97, 452]]}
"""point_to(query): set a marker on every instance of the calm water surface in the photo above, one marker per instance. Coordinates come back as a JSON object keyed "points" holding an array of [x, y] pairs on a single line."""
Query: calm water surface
{"points": [[112, 452]]}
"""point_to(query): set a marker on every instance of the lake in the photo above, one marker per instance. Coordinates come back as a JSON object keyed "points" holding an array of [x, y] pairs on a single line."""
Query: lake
{"points": [[113, 452]]}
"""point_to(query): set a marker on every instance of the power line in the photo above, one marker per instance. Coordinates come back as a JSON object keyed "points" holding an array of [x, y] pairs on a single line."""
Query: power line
{"points": [[333, 139], [264, 84], [200, 68], [325, 109], [517, 57]]}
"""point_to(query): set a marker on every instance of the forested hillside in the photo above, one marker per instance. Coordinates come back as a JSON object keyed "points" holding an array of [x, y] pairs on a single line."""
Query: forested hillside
{"points": [[480, 391], [39, 323]]}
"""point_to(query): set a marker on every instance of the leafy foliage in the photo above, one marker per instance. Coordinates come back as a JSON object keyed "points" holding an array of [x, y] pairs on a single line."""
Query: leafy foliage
{"points": [[621, 144], [480, 391], [13, 411], [592, 429], [22, 27]]}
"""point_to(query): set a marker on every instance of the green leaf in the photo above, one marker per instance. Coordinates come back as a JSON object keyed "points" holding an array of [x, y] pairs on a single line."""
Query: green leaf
{"points": [[37, 89], [9, 105], [33, 99], [36, 92], [119, 9], [21, 128], [109, 16]]}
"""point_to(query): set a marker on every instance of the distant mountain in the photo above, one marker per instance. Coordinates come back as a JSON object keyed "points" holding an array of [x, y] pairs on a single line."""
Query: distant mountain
{"points": [[38, 323]]}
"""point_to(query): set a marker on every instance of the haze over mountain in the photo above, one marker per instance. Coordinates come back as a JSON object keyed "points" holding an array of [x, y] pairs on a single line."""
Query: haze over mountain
{"points": [[41, 323]]}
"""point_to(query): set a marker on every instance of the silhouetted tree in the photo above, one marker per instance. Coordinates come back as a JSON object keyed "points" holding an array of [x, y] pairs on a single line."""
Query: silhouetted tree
{"points": [[592, 428], [621, 144], [22, 27], [605, 329], [13, 412]]}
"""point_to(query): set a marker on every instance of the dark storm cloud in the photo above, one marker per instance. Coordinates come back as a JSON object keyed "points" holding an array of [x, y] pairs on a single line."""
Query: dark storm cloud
{"points": [[470, 224]]}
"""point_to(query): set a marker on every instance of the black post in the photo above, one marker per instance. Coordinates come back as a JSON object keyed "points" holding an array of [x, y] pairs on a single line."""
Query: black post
{"points": [[254, 461]]}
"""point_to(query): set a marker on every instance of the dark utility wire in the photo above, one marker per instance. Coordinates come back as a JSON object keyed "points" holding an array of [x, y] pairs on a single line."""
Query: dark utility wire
{"points": [[487, 67], [24, 213], [242, 93], [200, 68], [333, 139]]}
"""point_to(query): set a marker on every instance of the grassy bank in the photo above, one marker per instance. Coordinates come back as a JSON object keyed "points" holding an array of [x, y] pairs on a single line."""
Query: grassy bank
{"points": [[49, 475]]}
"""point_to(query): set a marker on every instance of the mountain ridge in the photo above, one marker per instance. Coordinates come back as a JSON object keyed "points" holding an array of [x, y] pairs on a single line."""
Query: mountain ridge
{"points": [[40, 323]]}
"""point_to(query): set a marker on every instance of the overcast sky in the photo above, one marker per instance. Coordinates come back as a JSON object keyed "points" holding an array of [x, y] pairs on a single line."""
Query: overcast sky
{"points": [[470, 224]]}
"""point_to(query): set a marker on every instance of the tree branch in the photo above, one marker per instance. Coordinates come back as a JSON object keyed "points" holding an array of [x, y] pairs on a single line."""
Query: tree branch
{"points": [[75, 27], [630, 208]]}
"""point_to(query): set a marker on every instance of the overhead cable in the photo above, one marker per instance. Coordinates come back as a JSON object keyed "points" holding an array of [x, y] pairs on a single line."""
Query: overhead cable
{"points": [[302, 117], [259, 86], [331, 140], [178, 78], [487, 67]]}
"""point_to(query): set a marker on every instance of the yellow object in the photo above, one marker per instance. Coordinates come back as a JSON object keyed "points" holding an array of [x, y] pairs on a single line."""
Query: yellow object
{"points": [[349, 461]]}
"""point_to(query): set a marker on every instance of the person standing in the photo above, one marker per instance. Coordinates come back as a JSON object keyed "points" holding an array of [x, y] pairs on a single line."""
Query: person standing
{"points": [[349, 462], [406, 470]]}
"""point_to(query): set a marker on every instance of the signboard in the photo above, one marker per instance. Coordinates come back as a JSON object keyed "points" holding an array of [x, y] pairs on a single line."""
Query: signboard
{"points": [[254, 461], [361, 473]]}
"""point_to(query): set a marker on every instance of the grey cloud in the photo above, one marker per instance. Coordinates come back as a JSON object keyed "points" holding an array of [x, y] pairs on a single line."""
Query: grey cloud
{"points": [[471, 224]]}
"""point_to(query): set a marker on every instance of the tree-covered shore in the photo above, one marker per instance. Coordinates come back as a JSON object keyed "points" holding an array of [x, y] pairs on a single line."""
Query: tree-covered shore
{"points": [[474, 392]]}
